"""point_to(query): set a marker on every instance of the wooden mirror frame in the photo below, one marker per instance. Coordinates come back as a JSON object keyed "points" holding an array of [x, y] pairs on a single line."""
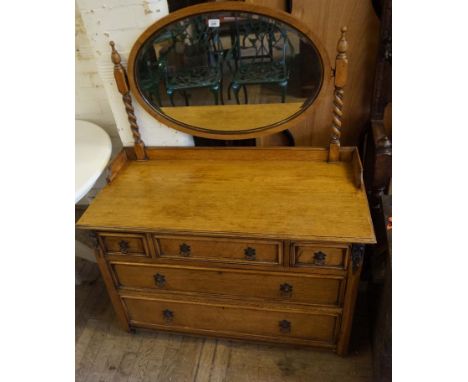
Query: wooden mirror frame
{"points": [[339, 73], [183, 13]]}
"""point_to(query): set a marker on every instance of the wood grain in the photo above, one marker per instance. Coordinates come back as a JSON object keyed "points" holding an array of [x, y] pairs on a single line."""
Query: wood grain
{"points": [[325, 18], [229, 320], [209, 249], [249, 120], [116, 165], [302, 200], [156, 353], [306, 289]]}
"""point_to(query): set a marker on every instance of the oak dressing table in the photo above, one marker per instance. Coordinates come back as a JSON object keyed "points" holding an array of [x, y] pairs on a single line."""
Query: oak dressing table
{"points": [[260, 244]]}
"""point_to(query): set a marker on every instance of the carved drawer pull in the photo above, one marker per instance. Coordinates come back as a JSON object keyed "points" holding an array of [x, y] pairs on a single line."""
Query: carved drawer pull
{"points": [[159, 280], [249, 253], [168, 315], [285, 326], [286, 290], [184, 250], [319, 258], [123, 244]]}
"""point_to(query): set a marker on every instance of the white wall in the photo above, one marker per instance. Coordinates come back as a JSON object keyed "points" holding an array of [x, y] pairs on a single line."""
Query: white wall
{"points": [[121, 21], [96, 97], [91, 102]]}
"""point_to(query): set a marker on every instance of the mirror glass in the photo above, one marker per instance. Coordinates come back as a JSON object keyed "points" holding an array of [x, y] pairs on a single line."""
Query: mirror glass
{"points": [[228, 71]]}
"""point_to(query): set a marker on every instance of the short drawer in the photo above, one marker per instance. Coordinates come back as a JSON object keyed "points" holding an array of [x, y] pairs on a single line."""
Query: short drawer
{"points": [[316, 255], [221, 250], [124, 244], [287, 287], [230, 319]]}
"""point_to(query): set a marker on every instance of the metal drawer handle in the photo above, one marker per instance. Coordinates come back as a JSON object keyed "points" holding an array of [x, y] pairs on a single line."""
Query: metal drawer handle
{"points": [[168, 315], [319, 258], [159, 280], [286, 290], [123, 244], [285, 326], [184, 250], [249, 253]]}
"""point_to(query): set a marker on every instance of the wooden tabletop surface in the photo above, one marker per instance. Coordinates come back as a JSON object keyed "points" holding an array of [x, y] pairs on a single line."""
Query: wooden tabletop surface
{"points": [[284, 199]]}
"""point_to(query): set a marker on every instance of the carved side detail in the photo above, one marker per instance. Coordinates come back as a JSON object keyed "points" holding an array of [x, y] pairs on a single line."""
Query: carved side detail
{"points": [[357, 256], [122, 85], [341, 75]]}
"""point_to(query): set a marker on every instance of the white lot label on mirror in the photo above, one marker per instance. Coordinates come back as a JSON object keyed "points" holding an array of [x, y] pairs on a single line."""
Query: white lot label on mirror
{"points": [[213, 23]]}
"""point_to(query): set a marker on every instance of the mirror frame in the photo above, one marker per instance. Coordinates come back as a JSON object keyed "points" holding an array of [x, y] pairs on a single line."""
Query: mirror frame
{"points": [[227, 6]]}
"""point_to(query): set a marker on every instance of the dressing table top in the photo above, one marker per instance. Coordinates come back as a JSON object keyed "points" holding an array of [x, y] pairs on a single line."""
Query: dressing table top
{"points": [[272, 193]]}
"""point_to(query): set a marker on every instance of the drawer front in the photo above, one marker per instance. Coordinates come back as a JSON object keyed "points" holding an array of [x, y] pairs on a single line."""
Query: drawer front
{"points": [[318, 256], [221, 250], [124, 244], [228, 319], [288, 287]]}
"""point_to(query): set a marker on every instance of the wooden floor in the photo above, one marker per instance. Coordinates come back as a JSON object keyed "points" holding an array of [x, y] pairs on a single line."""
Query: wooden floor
{"points": [[106, 353]]}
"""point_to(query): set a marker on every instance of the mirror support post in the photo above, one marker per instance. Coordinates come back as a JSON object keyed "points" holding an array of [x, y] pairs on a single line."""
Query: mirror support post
{"points": [[341, 75], [120, 76]]}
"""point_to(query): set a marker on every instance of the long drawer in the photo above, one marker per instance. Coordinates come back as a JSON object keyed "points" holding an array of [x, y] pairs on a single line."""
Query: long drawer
{"points": [[232, 320], [300, 288], [240, 251]]}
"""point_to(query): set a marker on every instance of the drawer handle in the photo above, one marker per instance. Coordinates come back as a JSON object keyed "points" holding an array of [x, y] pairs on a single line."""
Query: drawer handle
{"points": [[168, 315], [319, 258], [160, 280], [285, 326], [123, 244], [249, 253], [286, 290], [184, 250]]}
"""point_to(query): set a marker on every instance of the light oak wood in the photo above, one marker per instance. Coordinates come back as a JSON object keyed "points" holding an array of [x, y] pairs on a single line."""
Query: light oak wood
{"points": [[222, 319], [318, 256], [305, 200], [290, 287], [249, 120], [120, 76], [116, 165], [124, 244], [252, 244], [341, 75], [114, 296], [103, 351], [210, 249], [325, 18]]}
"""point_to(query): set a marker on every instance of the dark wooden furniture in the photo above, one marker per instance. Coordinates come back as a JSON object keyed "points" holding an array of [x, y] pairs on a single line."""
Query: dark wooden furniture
{"points": [[378, 146], [261, 244], [377, 151]]}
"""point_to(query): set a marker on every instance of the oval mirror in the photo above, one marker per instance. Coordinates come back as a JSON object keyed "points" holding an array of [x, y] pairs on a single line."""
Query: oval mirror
{"points": [[229, 73]]}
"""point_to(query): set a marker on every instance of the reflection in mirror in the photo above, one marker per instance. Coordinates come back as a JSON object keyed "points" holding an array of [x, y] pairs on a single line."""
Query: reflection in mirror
{"points": [[238, 66]]}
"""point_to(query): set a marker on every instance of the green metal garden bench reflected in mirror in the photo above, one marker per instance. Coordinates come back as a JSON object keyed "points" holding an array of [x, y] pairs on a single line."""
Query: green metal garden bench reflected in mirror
{"points": [[202, 57], [262, 52]]}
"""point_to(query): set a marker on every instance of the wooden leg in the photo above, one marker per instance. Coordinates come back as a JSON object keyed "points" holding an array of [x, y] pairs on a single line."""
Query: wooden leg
{"points": [[354, 272], [114, 296], [245, 94]]}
